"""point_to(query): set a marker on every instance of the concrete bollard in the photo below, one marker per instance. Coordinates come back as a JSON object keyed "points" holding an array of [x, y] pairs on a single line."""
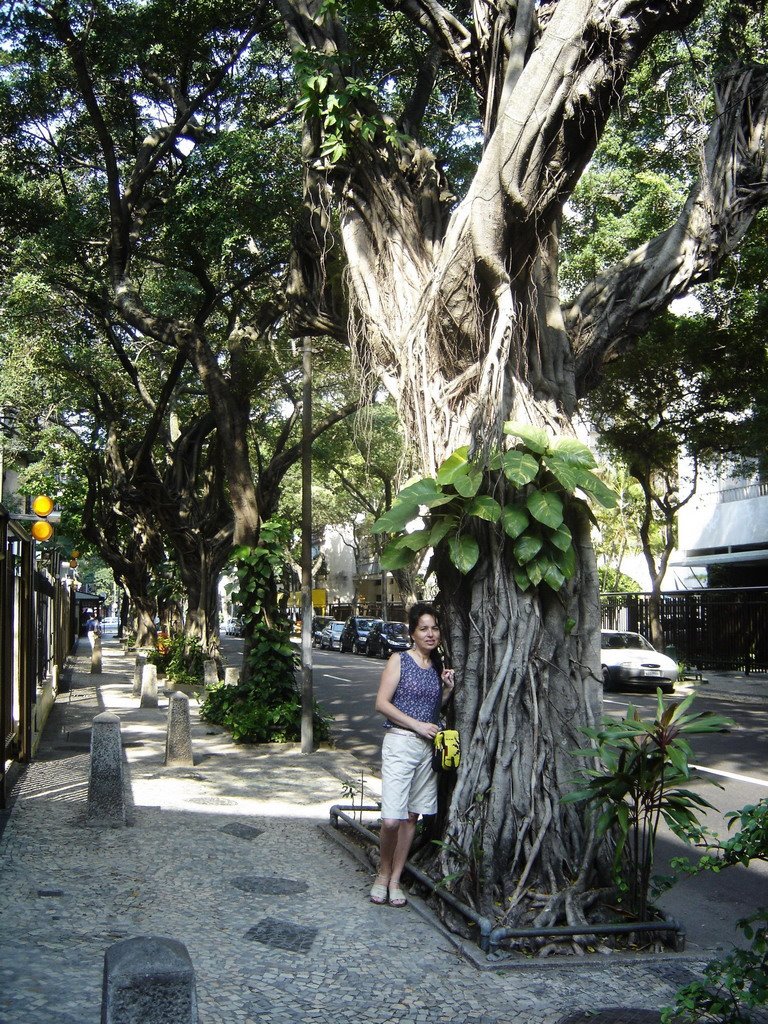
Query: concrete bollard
{"points": [[141, 661], [106, 799], [178, 740], [148, 980], [96, 655], [149, 686], [210, 672], [231, 676]]}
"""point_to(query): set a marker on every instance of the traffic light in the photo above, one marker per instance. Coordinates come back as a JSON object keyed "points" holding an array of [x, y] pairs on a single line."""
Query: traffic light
{"points": [[41, 529]]}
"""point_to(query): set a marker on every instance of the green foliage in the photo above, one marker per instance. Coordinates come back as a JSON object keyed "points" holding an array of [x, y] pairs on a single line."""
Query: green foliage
{"points": [[181, 659], [523, 490], [267, 706], [343, 106], [640, 777], [614, 582], [737, 983]]}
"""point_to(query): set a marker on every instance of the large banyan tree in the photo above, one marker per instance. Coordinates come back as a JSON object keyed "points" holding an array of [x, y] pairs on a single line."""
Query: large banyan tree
{"points": [[456, 306]]}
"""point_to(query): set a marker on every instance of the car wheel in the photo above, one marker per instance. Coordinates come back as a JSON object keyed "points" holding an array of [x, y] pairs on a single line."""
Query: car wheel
{"points": [[668, 688], [607, 681], [355, 647]]}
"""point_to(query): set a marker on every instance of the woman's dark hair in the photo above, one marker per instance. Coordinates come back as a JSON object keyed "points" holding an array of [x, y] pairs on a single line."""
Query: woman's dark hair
{"points": [[414, 614]]}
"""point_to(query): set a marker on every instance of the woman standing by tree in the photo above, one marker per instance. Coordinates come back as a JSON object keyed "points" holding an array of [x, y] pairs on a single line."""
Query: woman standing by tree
{"points": [[414, 686]]}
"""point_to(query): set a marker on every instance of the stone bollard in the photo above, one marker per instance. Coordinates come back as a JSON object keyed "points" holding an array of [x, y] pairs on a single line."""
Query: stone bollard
{"points": [[148, 980], [210, 672], [106, 799], [178, 740], [141, 661], [96, 655], [231, 676], [149, 687]]}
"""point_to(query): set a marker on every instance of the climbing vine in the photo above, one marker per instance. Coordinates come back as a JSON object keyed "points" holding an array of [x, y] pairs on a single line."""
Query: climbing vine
{"points": [[523, 489], [343, 106]]}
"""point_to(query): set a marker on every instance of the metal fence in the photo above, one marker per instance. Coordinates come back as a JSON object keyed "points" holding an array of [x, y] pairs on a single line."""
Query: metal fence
{"points": [[711, 629]]}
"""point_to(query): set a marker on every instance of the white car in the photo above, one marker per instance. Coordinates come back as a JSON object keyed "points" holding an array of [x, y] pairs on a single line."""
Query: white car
{"points": [[629, 661]]}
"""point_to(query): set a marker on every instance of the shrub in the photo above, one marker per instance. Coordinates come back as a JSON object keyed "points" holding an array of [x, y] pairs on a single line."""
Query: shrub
{"points": [[737, 983], [640, 777], [180, 658]]}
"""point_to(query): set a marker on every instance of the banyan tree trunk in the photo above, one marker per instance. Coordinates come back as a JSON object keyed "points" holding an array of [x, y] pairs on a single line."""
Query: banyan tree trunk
{"points": [[521, 853]]}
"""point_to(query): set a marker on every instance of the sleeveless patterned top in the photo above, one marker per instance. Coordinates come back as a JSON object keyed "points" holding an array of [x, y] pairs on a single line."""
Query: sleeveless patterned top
{"points": [[419, 692]]}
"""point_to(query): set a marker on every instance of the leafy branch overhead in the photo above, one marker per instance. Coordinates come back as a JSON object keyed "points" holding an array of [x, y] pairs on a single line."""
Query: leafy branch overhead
{"points": [[524, 490]]}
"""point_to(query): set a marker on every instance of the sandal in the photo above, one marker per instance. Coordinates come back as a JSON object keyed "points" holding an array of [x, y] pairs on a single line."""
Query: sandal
{"points": [[397, 897], [378, 893]]}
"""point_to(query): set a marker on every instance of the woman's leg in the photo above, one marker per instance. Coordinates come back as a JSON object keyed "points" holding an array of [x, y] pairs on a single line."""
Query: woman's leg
{"points": [[402, 847]]}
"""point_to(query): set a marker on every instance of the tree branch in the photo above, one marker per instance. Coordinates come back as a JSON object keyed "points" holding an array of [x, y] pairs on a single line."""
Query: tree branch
{"points": [[621, 302]]}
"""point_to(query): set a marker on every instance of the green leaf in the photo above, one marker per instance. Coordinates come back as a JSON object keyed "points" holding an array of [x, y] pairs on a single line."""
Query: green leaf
{"points": [[421, 492], [453, 464], [602, 494], [393, 557], [464, 552], [415, 541], [484, 507], [566, 473], [566, 562], [521, 578], [441, 528], [546, 507], [534, 437], [514, 520], [519, 467], [527, 547], [552, 575], [534, 571], [396, 518], [570, 449], [467, 481], [561, 538]]}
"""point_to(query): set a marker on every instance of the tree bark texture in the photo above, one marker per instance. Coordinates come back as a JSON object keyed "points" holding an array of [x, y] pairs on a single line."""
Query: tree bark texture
{"points": [[458, 312]]}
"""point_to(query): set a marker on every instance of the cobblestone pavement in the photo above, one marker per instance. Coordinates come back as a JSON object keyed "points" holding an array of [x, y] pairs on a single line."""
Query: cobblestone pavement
{"points": [[228, 857]]}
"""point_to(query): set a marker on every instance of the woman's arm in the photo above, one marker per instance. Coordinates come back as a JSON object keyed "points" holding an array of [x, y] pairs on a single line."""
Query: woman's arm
{"points": [[390, 677], [448, 680]]}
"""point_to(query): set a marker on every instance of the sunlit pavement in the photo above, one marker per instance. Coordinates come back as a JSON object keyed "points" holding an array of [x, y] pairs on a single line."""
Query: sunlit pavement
{"points": [[228, 857]]}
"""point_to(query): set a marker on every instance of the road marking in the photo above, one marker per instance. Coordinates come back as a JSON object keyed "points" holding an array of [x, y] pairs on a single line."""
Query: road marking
{"points": [[342, 679], [730, 775]]}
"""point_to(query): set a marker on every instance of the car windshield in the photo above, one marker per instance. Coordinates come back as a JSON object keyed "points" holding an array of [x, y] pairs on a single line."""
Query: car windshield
{"points": [[365, 623], [624, 641], [395, 629], [337, 627]]}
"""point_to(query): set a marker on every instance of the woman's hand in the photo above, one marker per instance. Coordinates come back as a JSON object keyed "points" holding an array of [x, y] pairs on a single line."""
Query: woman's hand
{"points": [[448, 679], [426, 729]]}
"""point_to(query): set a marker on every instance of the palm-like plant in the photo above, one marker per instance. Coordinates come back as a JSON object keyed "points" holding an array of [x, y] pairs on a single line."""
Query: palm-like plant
{"points": [[640, 776]]}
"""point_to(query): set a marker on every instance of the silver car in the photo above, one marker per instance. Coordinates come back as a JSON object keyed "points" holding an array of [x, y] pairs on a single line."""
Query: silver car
{"points": [[330, 638], [629, 661]]}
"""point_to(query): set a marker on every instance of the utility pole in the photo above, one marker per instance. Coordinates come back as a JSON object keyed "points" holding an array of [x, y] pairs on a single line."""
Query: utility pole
{"points": [[307, 690]]}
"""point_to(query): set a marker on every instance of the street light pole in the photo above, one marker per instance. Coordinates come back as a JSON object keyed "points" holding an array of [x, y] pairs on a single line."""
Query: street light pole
{"points": [[307, 694]]}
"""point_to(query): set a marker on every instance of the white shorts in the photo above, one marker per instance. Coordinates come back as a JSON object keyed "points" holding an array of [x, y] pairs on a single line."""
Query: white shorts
{"points": [[408, 783]]}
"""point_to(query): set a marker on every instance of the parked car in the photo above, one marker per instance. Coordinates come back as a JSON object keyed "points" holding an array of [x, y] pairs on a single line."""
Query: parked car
{"points": [[234, 626], [355, 635], [629, 660], [386, 637], [330, 638], [319, 622], [109, 624]]}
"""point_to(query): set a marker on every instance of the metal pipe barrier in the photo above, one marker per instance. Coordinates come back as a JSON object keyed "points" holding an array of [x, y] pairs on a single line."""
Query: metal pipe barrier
{"points": [[490, 938]]}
